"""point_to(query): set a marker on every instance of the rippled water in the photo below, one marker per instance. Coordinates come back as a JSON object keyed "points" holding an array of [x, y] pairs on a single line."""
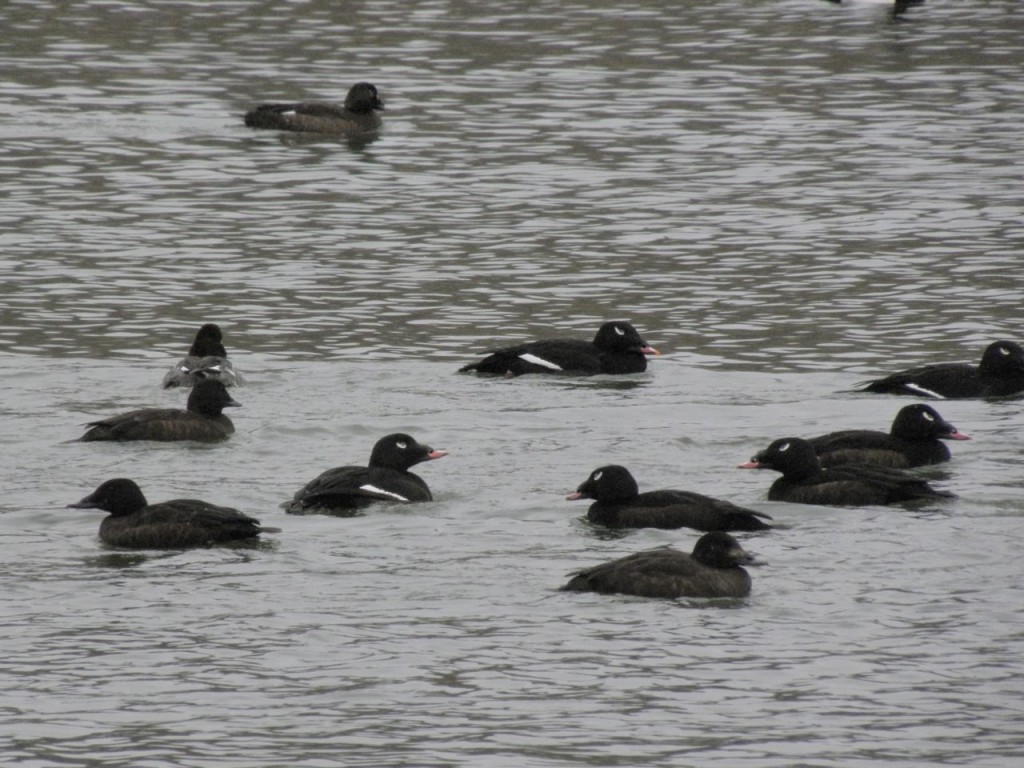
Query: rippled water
{"points": [[785, 197]]}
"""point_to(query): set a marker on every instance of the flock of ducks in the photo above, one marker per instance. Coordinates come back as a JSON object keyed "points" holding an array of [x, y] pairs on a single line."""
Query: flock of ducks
{"points": [[845, 468]]}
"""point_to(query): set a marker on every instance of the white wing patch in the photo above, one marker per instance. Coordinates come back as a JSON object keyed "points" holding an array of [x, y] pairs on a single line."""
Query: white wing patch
{"points": [[922, 391], [526, 356], [389, 494]]}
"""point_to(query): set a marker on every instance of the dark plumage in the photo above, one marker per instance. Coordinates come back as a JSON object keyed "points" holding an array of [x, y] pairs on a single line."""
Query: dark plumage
{"points": [[619, 504], [901, 6], [206, 359], [177, 524], [897, 7], [357, 116], [1000, 373], [914, 440], [203, 421], [713, 570], [617, 348], [804, 481], [387, 478]]}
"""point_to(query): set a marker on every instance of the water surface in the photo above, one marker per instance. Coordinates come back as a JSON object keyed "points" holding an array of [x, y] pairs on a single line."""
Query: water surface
{"points": [[786, 197]]}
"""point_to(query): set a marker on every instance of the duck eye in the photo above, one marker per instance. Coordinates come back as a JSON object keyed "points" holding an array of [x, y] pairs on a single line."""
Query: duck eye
{"points": [[619, 331], [596, 476], [1004, 351], [784, 447], [928, 417], [402, 445]]}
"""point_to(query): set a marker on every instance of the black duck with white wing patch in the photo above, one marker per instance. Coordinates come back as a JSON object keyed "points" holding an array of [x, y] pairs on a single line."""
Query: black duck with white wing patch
{"points": [[999, 374], [617, 348], [344, 490]]}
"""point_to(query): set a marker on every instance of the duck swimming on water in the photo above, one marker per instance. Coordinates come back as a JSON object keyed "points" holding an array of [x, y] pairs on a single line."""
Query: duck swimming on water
{"points": [[713, 569], [203, 420], [357, 116], [999, 374], [914, 440], [134, 523], [805, 481], [616, 349], [618, 503], [343, 490], [206, 359]]}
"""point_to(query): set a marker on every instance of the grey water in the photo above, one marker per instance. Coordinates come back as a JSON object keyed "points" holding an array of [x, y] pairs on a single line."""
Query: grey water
{"points": [[786, 197]]}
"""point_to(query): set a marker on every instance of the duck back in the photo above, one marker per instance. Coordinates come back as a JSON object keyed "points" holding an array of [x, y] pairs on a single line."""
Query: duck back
{"points": [[671, 509], [345, 490], [712, 570], [999, 374], [877, 448], [178, 524], [161, 425]]}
